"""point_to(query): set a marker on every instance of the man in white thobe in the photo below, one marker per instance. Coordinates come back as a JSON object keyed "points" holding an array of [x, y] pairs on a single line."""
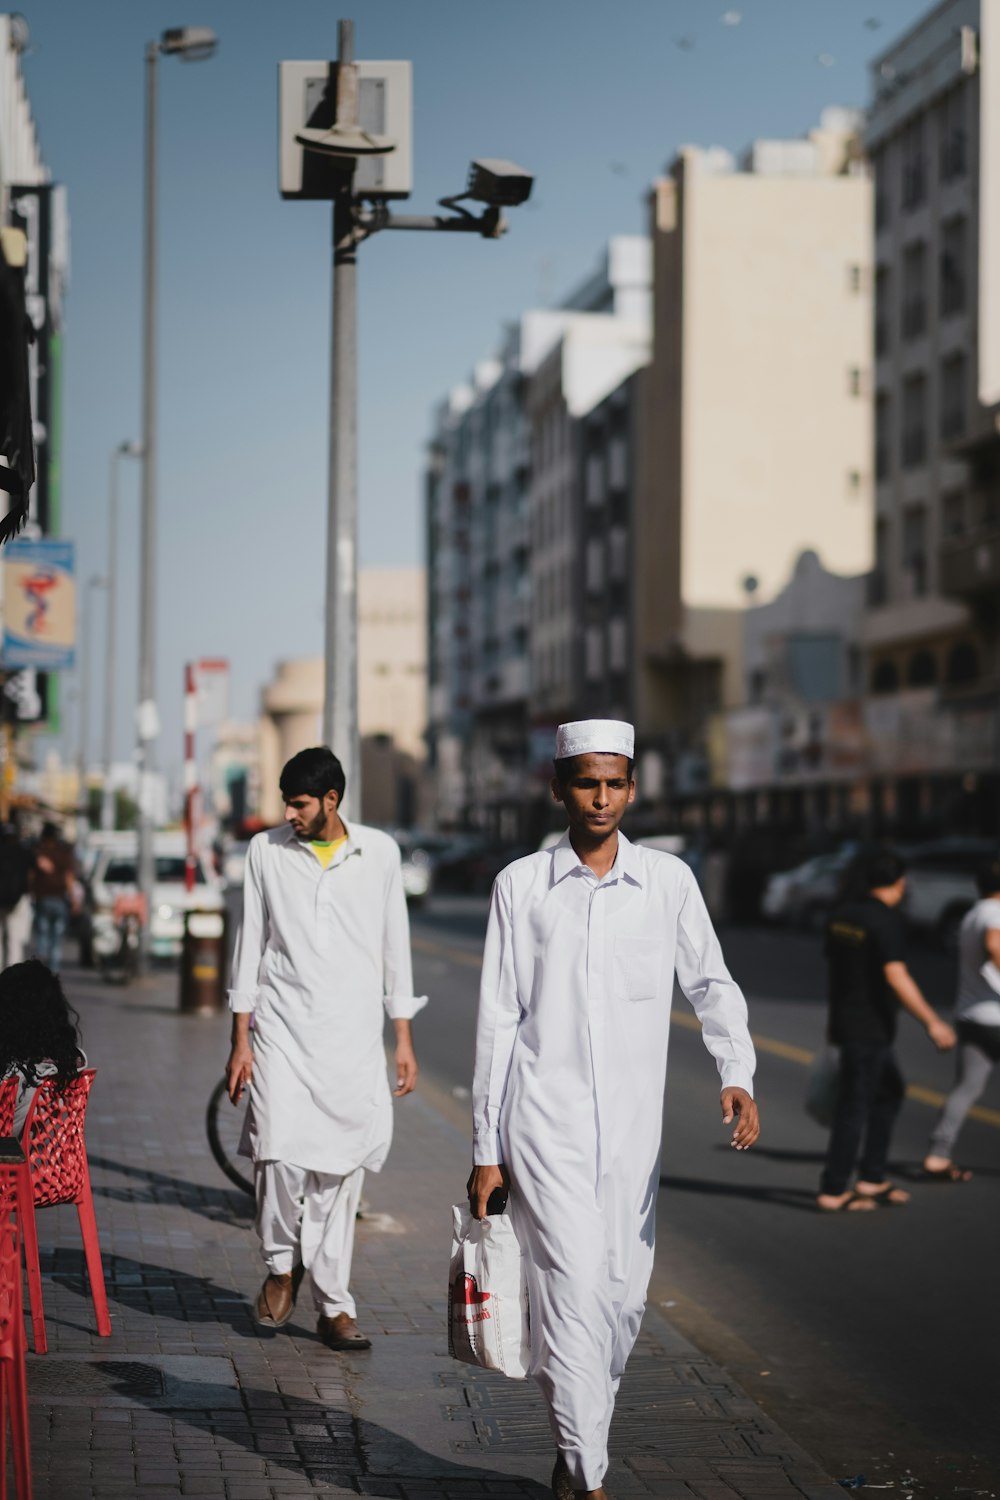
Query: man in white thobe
{"points": [[323, 951], [583, 945]]}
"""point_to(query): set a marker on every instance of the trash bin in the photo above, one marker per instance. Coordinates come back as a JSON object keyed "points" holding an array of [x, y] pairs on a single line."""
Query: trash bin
{"points": [[203, 961]]}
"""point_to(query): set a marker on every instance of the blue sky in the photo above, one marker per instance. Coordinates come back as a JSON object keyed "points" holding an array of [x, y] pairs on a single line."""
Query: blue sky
{"points": [[594, 99]]}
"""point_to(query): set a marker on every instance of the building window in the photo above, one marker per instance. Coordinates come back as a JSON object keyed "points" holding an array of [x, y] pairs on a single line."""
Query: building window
{"points": [[953, 395], [914, 164], [914, 421], [914, 540], [952, 266], [953, 515], [921, 669], [883, 311], [914, 319], [618, 554], [595, 480], [882, 200], [952, 135], [885, 677], [594, 654], [617, 645], [854, 279], [854, 381], [618, 465], [878, 590], [595, 566], [883, 436], [963, 664]]}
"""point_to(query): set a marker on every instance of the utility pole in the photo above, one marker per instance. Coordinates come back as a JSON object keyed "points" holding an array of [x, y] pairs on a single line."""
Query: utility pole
{"points": [[147, 716], [340, 702]]}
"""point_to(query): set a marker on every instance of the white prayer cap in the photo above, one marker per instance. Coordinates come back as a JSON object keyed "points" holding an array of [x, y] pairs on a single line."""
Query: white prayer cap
{"points": [[595, 736]]}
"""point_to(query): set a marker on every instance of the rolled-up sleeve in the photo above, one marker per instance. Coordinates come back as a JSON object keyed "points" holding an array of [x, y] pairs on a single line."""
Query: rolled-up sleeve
{"points": [[715, 996], [251, 935], [499, 1013], [401, 1004]]}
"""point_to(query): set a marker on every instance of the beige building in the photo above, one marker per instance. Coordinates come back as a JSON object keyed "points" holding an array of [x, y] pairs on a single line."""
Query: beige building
{"points": [[757, 405], [392, 701]]}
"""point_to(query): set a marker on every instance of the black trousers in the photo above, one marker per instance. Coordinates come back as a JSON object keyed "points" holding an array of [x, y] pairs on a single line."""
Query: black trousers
{"points": [[870, 1090]]}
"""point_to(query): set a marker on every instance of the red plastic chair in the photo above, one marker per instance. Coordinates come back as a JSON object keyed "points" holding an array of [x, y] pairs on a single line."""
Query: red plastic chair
{"points": [[13, 1379], [53, 1143]]}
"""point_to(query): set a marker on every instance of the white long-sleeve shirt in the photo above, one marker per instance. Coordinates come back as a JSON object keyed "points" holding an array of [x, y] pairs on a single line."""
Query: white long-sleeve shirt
{"points": [[574, 1012], [321, 956]]}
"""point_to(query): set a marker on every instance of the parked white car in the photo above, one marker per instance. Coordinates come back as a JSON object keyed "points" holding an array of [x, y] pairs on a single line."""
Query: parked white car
{"points": [[805, 894], [115, 873], [941, 885]]}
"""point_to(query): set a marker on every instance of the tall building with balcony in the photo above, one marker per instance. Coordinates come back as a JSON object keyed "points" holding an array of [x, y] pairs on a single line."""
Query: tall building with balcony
{"points": [[757, 412], [528, 486], [931, 635]]}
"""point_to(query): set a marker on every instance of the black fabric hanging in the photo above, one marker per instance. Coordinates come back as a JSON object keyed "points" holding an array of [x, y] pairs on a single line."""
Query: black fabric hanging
{"points": [[16, 443]]}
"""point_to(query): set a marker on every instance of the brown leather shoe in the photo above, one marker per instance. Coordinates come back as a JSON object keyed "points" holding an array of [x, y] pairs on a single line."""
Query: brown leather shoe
{"points": [[341, 1332], [276, 1298]]}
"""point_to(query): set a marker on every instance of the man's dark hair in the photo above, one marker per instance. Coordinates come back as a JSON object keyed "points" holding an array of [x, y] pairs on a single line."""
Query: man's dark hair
{"points": [[313, 773], [565, 767], [988, 876], [882, 867]]}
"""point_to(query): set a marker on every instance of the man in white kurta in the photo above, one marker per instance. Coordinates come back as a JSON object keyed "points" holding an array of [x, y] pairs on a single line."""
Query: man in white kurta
{"points": [[571, 1057], [323, 953]]}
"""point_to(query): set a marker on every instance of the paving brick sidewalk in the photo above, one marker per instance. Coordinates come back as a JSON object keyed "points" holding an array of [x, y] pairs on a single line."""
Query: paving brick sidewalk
{"points": [[189, 1398]]}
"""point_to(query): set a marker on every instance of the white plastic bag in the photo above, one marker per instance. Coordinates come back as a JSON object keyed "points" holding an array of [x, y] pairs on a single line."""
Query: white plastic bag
{"points": [[821, 1086], [487, 1295]]}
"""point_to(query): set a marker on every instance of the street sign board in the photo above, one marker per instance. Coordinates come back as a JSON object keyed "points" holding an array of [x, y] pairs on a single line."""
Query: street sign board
{"points": [[306, 96], [211, 678], [39, 605]]}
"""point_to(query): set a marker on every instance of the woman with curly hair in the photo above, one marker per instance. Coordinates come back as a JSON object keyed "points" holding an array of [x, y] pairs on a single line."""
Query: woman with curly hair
{"points": [[38, 1033]]}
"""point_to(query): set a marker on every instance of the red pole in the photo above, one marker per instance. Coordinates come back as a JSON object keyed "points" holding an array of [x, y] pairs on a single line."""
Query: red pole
{"points": [[190, 770]]}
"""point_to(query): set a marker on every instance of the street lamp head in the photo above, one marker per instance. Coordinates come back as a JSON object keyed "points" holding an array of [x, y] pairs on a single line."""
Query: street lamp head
{"points": [[130, 450], [501, 184], [189, 43]]}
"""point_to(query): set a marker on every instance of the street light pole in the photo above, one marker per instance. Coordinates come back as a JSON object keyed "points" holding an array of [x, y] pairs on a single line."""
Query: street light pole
{"points": [[190, 43], [94, 582], [147, 726], [124, 450], [340, 700]]}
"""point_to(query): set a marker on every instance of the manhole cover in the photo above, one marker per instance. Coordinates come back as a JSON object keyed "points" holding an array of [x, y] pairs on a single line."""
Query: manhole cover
{"points": [[78, 1377]]}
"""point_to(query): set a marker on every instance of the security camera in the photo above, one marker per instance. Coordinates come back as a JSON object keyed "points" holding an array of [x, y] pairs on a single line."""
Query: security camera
{"points": [[499, 183]]}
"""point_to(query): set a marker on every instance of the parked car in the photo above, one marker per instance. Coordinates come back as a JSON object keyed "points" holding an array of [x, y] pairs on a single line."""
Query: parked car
{"points": [[803, 896], [116, 871], [941, 885]]}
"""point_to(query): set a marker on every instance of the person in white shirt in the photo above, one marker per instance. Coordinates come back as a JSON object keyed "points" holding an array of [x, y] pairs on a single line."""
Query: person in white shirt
{"points": [[323, 951], [583, 943], [977, 1023]]}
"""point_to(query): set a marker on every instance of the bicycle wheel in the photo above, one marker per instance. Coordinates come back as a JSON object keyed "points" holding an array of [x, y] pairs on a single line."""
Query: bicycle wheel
{"points": [[224, 1127]]}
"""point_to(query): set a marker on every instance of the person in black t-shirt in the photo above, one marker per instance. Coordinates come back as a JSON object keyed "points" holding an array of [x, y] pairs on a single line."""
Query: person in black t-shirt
{"points": [[868, 982]]}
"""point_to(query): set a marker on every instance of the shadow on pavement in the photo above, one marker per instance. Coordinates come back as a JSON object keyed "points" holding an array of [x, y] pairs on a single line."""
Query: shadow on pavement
{"points": [[156, 1291], [770, 1153], [219, 1204], [326, 1445], [801, 1198]]}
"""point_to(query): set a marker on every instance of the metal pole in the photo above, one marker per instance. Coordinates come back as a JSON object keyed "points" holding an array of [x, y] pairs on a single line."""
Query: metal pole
{"points": [[147, 724], [190, 771], [340, 708], [86, 633], [110, 645]]}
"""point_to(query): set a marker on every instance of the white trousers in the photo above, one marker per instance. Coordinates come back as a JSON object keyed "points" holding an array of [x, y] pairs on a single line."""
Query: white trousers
{"points": [[309, 1217], [588, 1257]]}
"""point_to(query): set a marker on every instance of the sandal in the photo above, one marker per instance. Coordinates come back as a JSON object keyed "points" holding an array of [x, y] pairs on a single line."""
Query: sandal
{"points": [[889, 1196], [951, 1173], [853, 1203]]}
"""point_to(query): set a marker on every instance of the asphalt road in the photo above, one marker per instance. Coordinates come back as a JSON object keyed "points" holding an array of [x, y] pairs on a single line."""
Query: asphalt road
{"points": [[869, 1337]]}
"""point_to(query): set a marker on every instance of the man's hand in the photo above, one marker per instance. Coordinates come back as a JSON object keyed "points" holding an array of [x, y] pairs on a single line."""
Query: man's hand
{"points": [[482, 1182], [239, 1068], [406, 1061], [942, 1035], [738, 1103]]}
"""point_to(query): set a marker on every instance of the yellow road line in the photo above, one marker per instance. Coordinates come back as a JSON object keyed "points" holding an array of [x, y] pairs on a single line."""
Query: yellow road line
{"points": [[770, 1045]]}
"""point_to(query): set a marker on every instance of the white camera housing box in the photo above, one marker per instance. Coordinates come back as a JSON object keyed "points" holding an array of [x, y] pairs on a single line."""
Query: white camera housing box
{"points": [[306, 95]]}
